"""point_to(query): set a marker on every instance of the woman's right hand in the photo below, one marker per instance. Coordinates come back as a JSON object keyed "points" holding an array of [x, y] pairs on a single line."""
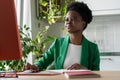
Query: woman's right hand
{"points": [[76, 66], [33, 68]]}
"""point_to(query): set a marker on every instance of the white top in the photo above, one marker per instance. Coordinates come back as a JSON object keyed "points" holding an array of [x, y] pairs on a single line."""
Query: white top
{"points": [[73, 55]]}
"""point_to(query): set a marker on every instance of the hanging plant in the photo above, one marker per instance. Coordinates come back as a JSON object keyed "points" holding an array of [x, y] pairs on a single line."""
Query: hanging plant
{"points": [[51, 10]]}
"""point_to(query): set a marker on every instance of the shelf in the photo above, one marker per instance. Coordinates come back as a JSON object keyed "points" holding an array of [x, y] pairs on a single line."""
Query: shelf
{"points": [[103, 7]]}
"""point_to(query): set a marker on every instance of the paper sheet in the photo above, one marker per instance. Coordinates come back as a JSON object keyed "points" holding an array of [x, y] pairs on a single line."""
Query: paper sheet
{"points": [[64, 70]]}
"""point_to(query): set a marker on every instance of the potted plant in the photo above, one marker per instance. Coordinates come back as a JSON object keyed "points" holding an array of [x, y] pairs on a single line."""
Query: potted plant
{"points": [[28, 45]]}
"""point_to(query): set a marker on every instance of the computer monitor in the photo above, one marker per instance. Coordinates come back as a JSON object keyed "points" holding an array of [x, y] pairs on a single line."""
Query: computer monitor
{"points": [[10, 48]]}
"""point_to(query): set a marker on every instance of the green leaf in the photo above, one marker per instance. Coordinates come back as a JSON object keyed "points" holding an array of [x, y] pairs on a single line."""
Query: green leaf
{"points": [[44, 3]]}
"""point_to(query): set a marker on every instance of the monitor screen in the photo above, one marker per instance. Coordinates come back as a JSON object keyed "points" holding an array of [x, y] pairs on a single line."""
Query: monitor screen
{"points": [[10, 48]]}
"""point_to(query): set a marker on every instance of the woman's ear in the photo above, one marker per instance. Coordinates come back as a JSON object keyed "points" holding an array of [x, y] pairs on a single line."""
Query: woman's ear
{"points": [[83, 24]]}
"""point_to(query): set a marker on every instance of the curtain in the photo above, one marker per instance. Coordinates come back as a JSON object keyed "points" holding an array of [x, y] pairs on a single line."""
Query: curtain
{"points": [[23, 10]]}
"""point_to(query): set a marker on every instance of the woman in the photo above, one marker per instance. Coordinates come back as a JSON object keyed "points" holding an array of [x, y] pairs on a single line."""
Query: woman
{"points": [[74, 51]]}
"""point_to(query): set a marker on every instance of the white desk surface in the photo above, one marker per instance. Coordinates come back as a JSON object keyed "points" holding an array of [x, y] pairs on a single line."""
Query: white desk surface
{"points": [[105, 75]]}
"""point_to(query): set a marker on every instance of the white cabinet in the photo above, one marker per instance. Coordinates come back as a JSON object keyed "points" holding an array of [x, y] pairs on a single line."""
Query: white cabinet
{"points": [[105, 31], [103, 7], [108, 63]]}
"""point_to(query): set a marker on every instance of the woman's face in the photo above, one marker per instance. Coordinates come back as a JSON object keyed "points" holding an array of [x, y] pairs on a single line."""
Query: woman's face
{"points": [[74, 22]]}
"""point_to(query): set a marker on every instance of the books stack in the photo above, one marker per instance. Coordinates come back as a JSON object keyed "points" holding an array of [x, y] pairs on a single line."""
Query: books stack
{"points": [[81, 74]]}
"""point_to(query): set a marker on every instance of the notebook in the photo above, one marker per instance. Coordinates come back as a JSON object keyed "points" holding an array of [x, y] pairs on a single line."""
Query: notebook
{"points": [[81, 74]]}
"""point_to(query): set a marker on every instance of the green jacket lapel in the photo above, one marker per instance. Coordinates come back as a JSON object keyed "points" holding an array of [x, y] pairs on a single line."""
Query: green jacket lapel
{"points": [[84, 52], [63, 52]]}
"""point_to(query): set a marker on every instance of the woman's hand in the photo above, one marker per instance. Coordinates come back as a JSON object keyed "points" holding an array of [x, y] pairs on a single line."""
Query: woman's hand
{"points": [[76, 66], [33, 68]]}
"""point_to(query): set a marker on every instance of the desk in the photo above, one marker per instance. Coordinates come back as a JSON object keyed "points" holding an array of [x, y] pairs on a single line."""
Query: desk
{"points": [[105, 75]]}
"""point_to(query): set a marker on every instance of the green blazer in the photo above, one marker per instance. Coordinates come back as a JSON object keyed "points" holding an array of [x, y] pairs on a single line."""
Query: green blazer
{"points": [[57, 52]]}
